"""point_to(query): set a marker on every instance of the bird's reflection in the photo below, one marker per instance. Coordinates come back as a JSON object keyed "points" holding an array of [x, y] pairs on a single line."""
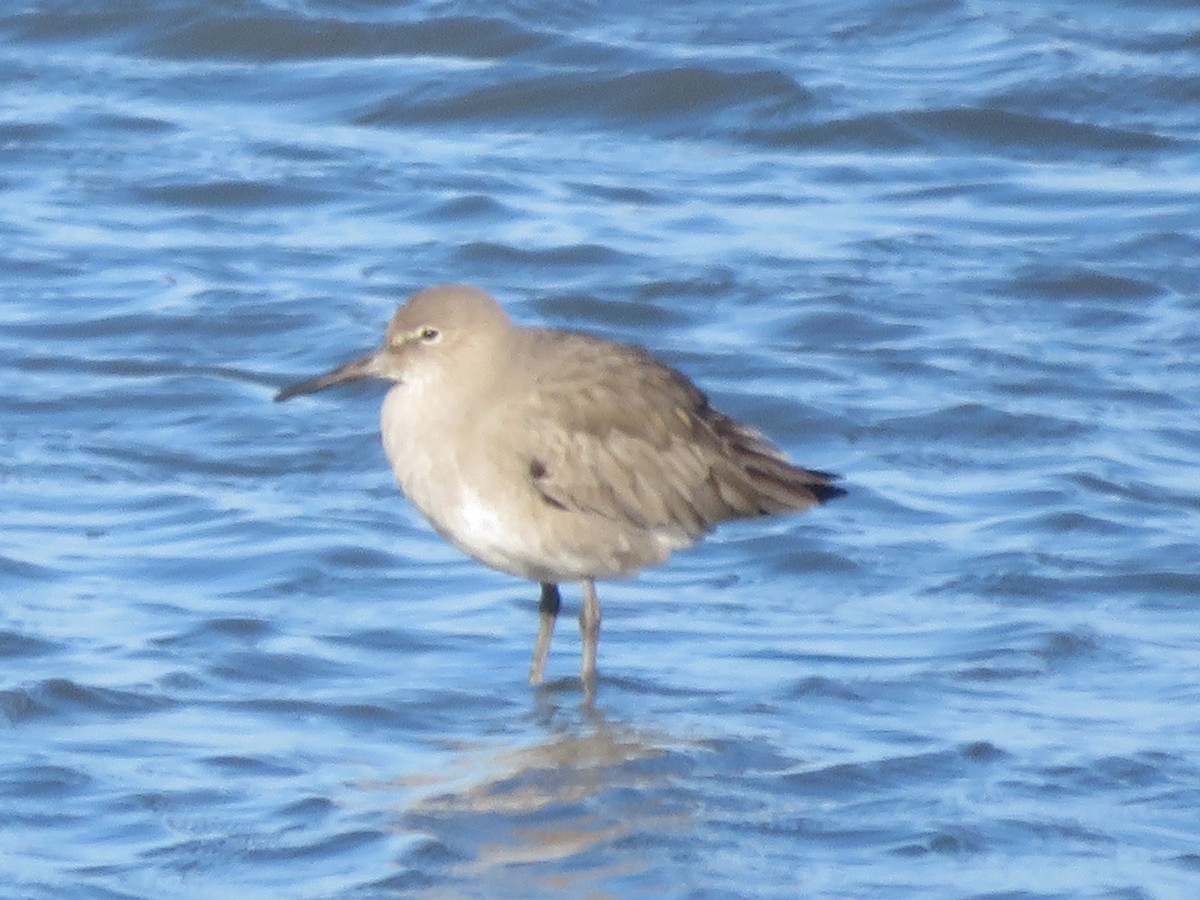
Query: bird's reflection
{"points": [[504, 813]]}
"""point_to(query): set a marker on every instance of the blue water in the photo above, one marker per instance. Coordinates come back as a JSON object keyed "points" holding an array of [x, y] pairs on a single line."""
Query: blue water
{"points": [[950, 250]]}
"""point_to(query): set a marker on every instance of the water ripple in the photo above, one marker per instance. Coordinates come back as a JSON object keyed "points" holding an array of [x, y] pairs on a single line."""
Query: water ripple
{"points": [[942, 251]]}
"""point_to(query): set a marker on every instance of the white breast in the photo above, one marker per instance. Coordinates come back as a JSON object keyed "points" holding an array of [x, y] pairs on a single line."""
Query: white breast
{"points": [[440, 482]]}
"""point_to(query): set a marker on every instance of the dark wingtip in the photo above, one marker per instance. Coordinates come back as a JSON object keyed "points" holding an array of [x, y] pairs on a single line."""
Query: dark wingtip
{"points": [[822, 485], [824, 492]]}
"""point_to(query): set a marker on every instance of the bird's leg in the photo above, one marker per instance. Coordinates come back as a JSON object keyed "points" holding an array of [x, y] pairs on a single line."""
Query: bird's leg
{"points": [[547, 612], [589, 630]]}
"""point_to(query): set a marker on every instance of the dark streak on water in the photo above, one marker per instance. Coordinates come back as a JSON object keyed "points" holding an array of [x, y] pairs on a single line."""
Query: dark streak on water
{"points": [[947, 249]]}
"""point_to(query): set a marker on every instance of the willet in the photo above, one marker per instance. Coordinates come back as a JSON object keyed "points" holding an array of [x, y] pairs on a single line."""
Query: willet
{"points": [[558, 456]]}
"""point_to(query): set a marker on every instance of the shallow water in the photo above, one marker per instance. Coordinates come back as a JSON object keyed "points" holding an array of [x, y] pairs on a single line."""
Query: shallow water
{"points": [[946, 249]]}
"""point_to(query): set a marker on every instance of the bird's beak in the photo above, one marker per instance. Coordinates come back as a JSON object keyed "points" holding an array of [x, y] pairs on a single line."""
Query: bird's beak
{"points": [[363, 367]]}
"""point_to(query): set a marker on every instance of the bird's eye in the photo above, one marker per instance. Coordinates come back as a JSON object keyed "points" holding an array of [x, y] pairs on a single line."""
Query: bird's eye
{"points": [[430, 335]]}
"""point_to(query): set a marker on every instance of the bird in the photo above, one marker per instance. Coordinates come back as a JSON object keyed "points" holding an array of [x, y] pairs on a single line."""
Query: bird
{"points": [[558, 456]]}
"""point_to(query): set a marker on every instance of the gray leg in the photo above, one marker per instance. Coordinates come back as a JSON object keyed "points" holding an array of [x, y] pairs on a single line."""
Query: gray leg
{"points": [[547, 612], [589, 630]]}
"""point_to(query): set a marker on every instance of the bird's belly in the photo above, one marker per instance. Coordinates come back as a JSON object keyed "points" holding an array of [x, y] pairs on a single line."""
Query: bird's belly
{"points": [[492, 512], [501, 537], [537, 541], [520, 534], [486, 524]]}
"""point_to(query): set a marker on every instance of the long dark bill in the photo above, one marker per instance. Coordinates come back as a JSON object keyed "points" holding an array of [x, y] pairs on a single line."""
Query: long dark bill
{"points": [[363, 367]]}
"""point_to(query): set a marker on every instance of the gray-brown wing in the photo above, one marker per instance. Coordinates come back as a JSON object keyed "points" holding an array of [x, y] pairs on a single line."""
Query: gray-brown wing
{"points": [[620, 435]]}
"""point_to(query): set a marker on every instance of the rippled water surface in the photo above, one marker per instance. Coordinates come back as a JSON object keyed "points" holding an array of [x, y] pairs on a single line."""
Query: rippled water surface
{"points": [[950, 250]]}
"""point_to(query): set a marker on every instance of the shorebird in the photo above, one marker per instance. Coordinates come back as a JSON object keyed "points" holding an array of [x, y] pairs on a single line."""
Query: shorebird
{"points": [[558, 456]]}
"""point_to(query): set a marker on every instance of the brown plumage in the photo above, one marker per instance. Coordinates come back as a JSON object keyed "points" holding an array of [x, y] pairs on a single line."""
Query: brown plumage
{"points": [[557, 456]]}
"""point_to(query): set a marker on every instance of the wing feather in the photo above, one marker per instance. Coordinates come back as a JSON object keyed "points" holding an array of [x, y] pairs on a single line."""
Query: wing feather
{"points": [[614, 433]]}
